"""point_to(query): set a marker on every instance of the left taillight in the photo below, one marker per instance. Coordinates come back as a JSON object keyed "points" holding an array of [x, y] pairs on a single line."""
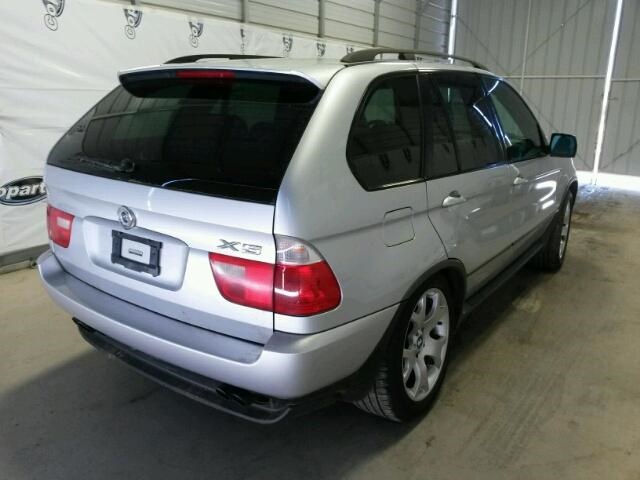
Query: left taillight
{"points": [[243, 281], [59, 225]]}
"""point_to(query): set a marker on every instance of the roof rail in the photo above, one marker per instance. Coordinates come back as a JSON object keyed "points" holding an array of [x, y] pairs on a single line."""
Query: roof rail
{"points": [[228, 56], [370, 54]]}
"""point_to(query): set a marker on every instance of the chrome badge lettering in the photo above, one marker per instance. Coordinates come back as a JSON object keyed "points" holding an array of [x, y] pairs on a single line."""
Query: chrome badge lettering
{"points": [[240, 247], [229, 245], [252, 249]]}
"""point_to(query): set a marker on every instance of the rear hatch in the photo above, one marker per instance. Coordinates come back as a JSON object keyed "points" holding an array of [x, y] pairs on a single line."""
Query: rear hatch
{"points": [[173, 164]]}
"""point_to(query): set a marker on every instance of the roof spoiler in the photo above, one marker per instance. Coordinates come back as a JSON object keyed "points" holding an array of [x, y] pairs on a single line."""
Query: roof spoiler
{"points": [[228, 56]]}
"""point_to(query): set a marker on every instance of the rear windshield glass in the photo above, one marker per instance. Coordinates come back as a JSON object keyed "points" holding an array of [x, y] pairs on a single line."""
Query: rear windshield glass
{"points": [[230, 137]]}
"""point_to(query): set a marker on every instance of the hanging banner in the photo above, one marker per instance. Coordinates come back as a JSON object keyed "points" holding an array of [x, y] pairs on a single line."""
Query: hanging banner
{"points": [[59, 57]]}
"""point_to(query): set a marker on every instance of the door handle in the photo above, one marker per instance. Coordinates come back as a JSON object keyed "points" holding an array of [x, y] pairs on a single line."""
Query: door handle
{"points": [[454, 198], [520, 180]]}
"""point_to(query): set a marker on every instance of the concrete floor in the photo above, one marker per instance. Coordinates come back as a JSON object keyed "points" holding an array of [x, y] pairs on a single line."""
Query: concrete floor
{"points": [[544, 383]]}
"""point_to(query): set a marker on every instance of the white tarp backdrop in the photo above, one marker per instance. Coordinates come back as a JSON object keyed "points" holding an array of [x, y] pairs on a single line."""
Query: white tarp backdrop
{"points": [[59, 57]]}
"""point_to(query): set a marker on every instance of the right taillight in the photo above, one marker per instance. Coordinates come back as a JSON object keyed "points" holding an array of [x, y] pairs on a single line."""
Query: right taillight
{"points": [[300, 283], [303, 282], [59, 225]]}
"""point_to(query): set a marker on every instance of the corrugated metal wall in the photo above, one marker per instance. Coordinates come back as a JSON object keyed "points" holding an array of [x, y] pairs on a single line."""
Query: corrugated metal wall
{"points": [[433, 27], [350, 20], [566, 58], [296, 15], [621, 149], [231, 9]]}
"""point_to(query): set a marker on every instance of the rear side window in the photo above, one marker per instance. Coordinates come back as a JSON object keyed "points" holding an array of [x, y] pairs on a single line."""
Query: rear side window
{"points": [[519, 127], [440, 152], [471, 120], [230, 136], [383, 149]]}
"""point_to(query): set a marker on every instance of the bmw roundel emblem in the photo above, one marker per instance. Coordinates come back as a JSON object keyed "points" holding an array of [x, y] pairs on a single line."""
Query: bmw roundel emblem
{"points": [[126, 217]]}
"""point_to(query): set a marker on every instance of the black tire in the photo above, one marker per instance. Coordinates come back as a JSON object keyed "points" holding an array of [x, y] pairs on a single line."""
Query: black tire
{"points": [[387, 396], [552, 255]]}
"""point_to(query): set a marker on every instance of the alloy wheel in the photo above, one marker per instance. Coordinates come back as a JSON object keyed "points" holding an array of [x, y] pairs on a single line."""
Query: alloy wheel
{"points": [[564, 232], [425, 344]]}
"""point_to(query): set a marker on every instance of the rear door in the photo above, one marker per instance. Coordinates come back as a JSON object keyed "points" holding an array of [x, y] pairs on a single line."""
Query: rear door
{"points": [[468, 182], [534, 175], [170, 166]]}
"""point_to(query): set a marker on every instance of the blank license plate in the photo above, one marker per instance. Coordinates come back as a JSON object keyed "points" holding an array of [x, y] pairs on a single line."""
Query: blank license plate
{"points": [[136, 253]]}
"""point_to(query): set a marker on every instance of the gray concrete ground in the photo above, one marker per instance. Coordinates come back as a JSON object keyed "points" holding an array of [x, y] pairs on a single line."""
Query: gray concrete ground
{"points": [[544, 383]]}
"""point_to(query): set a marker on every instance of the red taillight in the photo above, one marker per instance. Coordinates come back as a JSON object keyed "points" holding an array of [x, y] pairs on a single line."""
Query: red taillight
{"points": [[59, 225], [303, 290], [204, 73], [243, 281], [301, 282]]}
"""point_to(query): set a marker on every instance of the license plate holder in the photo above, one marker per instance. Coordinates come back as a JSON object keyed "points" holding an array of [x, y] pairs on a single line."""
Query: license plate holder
{"points": [[147, 250]]}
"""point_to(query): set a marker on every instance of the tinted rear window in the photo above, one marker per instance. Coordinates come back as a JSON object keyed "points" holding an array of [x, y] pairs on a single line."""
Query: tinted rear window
{"points": [[384, 143], [230, 137]]}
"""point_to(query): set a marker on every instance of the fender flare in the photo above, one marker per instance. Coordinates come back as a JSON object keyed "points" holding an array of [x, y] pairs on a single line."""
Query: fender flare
{"points": [[366, 374]]}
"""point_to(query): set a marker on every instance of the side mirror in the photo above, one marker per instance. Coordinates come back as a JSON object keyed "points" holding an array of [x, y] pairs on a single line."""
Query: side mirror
{"points": [[563, 145]]}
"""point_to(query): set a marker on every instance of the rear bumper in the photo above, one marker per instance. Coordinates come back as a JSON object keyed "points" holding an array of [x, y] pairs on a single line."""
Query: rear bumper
{"points": [[215, 394], [288, 366]]}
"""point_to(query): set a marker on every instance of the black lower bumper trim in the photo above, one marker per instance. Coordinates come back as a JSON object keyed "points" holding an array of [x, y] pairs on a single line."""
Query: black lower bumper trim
{"points": [[233, 400]]}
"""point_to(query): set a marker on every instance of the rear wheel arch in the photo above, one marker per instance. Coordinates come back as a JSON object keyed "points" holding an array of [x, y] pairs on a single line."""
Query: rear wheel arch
{"points": [[384, 389], [454, 273]]}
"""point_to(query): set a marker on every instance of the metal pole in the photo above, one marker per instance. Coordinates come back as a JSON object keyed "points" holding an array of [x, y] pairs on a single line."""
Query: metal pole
{"points": [[607, 89], [451, 47], [524, 50], [245, 11], [416, 35], [376, 21], [557, 77], [321, 17]]}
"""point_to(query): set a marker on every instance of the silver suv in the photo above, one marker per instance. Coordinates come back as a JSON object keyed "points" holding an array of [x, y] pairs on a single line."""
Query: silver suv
{"points": [[268, 235]]}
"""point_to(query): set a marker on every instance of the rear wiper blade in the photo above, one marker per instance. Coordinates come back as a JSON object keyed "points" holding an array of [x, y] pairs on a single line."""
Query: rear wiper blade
{"points": [[169, 183], [126, 165]]}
